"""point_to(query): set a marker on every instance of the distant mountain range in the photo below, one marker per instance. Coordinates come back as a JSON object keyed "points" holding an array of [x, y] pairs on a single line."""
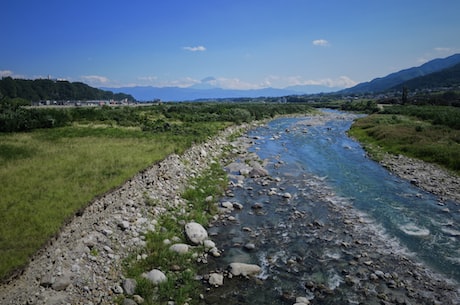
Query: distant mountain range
{"points": [[149, 93], [416, 77], [433, 74]]}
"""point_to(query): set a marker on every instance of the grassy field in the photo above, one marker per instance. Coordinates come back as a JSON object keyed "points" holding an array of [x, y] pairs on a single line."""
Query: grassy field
{"points": [[419, 133], [48, 175]]}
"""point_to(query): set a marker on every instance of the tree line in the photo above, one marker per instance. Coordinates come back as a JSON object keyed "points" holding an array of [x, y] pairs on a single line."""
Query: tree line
{"points": [[26, 91], [156, 118]]}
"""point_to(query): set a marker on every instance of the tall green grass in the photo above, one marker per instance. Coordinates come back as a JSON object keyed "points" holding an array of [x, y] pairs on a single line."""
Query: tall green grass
{"points": [[411, 136], [46, 176]]}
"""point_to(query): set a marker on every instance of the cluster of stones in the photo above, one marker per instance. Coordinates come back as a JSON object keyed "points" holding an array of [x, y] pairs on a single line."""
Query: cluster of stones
{"points": [[430, 177]]}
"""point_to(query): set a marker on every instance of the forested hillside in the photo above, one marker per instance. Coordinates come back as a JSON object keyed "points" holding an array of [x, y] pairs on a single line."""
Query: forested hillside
{"points": [[54, 90], [445, 78]]}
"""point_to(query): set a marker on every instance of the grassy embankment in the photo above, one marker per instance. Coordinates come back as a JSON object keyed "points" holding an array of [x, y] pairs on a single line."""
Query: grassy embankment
{"points": [[429, 133], [47, 175]]}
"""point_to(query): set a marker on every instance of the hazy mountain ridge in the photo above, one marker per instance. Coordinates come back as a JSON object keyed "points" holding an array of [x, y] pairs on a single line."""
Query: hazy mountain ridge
{"points": [[148, 93]]}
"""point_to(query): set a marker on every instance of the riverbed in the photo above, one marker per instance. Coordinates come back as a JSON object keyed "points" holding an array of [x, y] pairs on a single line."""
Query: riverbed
{"points": [[330, 225]]}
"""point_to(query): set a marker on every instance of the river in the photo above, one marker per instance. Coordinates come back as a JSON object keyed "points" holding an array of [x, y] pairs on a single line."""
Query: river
{"points": [[333, 226]]}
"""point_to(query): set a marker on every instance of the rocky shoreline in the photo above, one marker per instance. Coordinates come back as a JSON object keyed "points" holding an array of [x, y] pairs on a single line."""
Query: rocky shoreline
{"points": [[83, 265], [427, 176]]}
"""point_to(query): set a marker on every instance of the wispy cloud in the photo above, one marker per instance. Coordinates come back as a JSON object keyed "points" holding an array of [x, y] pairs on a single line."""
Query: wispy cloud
{"points": [[438, 52], [195, 49], [443, 50], [321, 43], [95, 80]]}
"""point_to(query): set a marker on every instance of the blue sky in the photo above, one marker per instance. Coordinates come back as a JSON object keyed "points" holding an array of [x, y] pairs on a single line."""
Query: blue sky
{"points": [[238, 44]]}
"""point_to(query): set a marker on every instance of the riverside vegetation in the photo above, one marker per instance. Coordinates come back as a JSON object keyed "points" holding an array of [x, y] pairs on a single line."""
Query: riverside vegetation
{"points": [[50, 174], [428, 133]]}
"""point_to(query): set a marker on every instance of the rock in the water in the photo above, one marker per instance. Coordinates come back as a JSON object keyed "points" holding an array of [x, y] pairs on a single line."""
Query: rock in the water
{"points": [[209, 244], [258, 171], [287, 195], [216, 279], [250, 246], [302, 301], [155, 276], [244, 269], [196, 233], [179, 248], [228, 205], [215, 252]]}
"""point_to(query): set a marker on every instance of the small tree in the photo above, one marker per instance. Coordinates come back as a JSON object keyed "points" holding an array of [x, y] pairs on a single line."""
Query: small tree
{"points": [[404, 95]]}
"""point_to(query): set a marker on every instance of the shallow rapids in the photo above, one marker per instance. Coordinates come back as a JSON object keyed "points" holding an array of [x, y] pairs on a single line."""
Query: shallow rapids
{"points": [[333, 226]]}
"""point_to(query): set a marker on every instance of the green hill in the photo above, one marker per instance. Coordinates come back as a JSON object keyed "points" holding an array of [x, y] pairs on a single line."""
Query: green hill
{"points": [[54, 90], [446, 78]]}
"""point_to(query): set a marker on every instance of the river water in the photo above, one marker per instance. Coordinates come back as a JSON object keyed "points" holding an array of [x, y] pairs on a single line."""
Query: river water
{"points": [[333, 226]]}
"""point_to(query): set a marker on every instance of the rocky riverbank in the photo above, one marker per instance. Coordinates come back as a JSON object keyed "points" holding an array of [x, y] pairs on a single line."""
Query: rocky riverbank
{"points": [[427, 176], [83, 265]]}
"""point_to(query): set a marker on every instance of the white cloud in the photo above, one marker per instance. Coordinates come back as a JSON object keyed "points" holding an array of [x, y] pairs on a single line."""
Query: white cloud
{"points": [[321, 43], [278, 82], [234, 83], [95, 80], [195, 49], [6, 73], [443, 50], [9, 73], [182, 82], [282, 82], [147, 79]]}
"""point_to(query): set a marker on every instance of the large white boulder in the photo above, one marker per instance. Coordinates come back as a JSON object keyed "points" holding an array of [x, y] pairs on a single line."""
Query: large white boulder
{"points": [[244, 269], [196, 233], [155, 276]]}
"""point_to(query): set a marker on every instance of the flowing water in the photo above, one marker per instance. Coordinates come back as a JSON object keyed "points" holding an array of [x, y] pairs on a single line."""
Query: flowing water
{"points": [[328, 219]]}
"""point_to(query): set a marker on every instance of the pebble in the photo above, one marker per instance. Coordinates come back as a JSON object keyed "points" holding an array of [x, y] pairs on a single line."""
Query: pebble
{"points": [[250, 246]]}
